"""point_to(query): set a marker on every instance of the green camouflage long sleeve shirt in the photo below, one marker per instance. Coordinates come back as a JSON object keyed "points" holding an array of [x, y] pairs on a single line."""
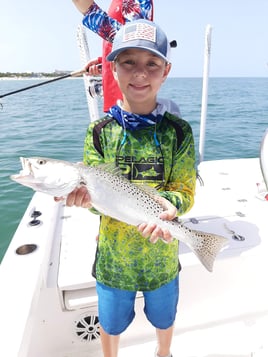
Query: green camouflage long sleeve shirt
{"points": [[162, 156]]}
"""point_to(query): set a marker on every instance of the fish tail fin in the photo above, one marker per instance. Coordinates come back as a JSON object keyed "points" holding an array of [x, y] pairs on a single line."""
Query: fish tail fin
{"points": [[206, 247]]}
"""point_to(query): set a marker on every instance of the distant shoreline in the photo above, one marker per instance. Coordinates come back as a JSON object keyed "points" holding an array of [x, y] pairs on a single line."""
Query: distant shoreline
{"points": [[33, 75]]}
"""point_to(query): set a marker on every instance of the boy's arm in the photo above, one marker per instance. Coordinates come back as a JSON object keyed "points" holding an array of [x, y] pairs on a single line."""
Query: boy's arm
{"points": [[91, 156], [180, 189]]}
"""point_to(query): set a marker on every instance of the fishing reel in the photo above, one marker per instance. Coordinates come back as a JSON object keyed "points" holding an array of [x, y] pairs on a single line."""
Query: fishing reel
{"points": [[95, 87]]}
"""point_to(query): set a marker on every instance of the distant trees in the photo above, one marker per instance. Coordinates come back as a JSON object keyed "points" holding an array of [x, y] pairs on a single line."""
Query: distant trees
{"points": [[33, 74]]}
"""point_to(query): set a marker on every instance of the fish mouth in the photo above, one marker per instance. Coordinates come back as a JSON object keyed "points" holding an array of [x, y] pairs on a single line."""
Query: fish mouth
{"points": [[26, 173]]}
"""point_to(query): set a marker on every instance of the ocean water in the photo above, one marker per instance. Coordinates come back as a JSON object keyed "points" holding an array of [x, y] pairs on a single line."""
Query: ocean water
{"points": [[51, 121]]}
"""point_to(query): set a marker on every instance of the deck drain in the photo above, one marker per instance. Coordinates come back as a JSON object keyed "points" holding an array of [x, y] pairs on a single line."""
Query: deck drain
{"points": [[26, 249], [88, 328]]}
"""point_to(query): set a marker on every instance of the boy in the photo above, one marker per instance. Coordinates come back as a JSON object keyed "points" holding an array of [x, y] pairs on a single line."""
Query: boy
{"points": [[153, 147]]}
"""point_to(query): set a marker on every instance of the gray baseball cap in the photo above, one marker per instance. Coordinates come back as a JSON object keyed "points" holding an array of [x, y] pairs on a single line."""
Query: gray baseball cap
{"points": [[141, 34]]}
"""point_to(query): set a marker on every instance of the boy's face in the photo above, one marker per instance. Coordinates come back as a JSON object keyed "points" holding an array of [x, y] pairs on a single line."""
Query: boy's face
{"points": [[139, 74]]}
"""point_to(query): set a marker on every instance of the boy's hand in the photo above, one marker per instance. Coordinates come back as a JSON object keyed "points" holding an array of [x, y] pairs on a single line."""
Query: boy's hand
{"points": [[155, 232], [78, 197]]}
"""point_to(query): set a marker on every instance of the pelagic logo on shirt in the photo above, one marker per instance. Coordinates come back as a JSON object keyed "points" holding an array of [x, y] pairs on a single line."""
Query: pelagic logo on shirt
{"points": [[149, 169]]}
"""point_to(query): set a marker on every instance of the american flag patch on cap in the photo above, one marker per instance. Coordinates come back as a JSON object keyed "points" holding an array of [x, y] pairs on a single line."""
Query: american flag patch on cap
{"points": [[140, 31]]}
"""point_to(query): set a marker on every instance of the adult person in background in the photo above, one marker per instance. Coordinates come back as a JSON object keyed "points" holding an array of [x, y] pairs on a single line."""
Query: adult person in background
{"points": [[106, 25]]}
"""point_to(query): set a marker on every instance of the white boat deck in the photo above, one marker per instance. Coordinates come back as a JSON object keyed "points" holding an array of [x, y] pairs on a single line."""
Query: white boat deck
{"points": [[220, 314]]}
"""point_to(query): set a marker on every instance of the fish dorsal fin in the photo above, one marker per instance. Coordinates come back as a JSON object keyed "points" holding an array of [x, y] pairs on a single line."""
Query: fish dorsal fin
{"points": [[115, 170], [111, 168], [108, 167]]}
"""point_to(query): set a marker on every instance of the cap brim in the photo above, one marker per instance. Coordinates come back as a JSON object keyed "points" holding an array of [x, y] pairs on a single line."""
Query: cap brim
{"points": [[112, 56]]}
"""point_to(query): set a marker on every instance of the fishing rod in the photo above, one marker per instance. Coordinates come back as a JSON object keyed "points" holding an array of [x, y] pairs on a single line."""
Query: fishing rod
{"points": [[207, 52], [72, 74]]}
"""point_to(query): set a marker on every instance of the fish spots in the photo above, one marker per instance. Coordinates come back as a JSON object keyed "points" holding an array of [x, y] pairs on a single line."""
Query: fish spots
{"points": [[132, 204]]}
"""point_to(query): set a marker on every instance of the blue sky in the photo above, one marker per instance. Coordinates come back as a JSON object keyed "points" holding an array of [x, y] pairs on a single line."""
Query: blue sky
{"points": [[41, 36]]}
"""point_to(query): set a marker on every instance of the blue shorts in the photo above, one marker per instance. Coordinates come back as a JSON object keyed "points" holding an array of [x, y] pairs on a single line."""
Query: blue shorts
{"points": [[116, 306]]}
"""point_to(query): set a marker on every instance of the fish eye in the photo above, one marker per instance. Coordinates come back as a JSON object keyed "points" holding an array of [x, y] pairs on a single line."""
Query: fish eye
{"points": [[41, 161]]}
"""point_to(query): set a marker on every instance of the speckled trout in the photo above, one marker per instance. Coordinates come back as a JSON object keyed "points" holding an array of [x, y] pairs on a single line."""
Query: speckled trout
{"points": [[114, 196]]}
